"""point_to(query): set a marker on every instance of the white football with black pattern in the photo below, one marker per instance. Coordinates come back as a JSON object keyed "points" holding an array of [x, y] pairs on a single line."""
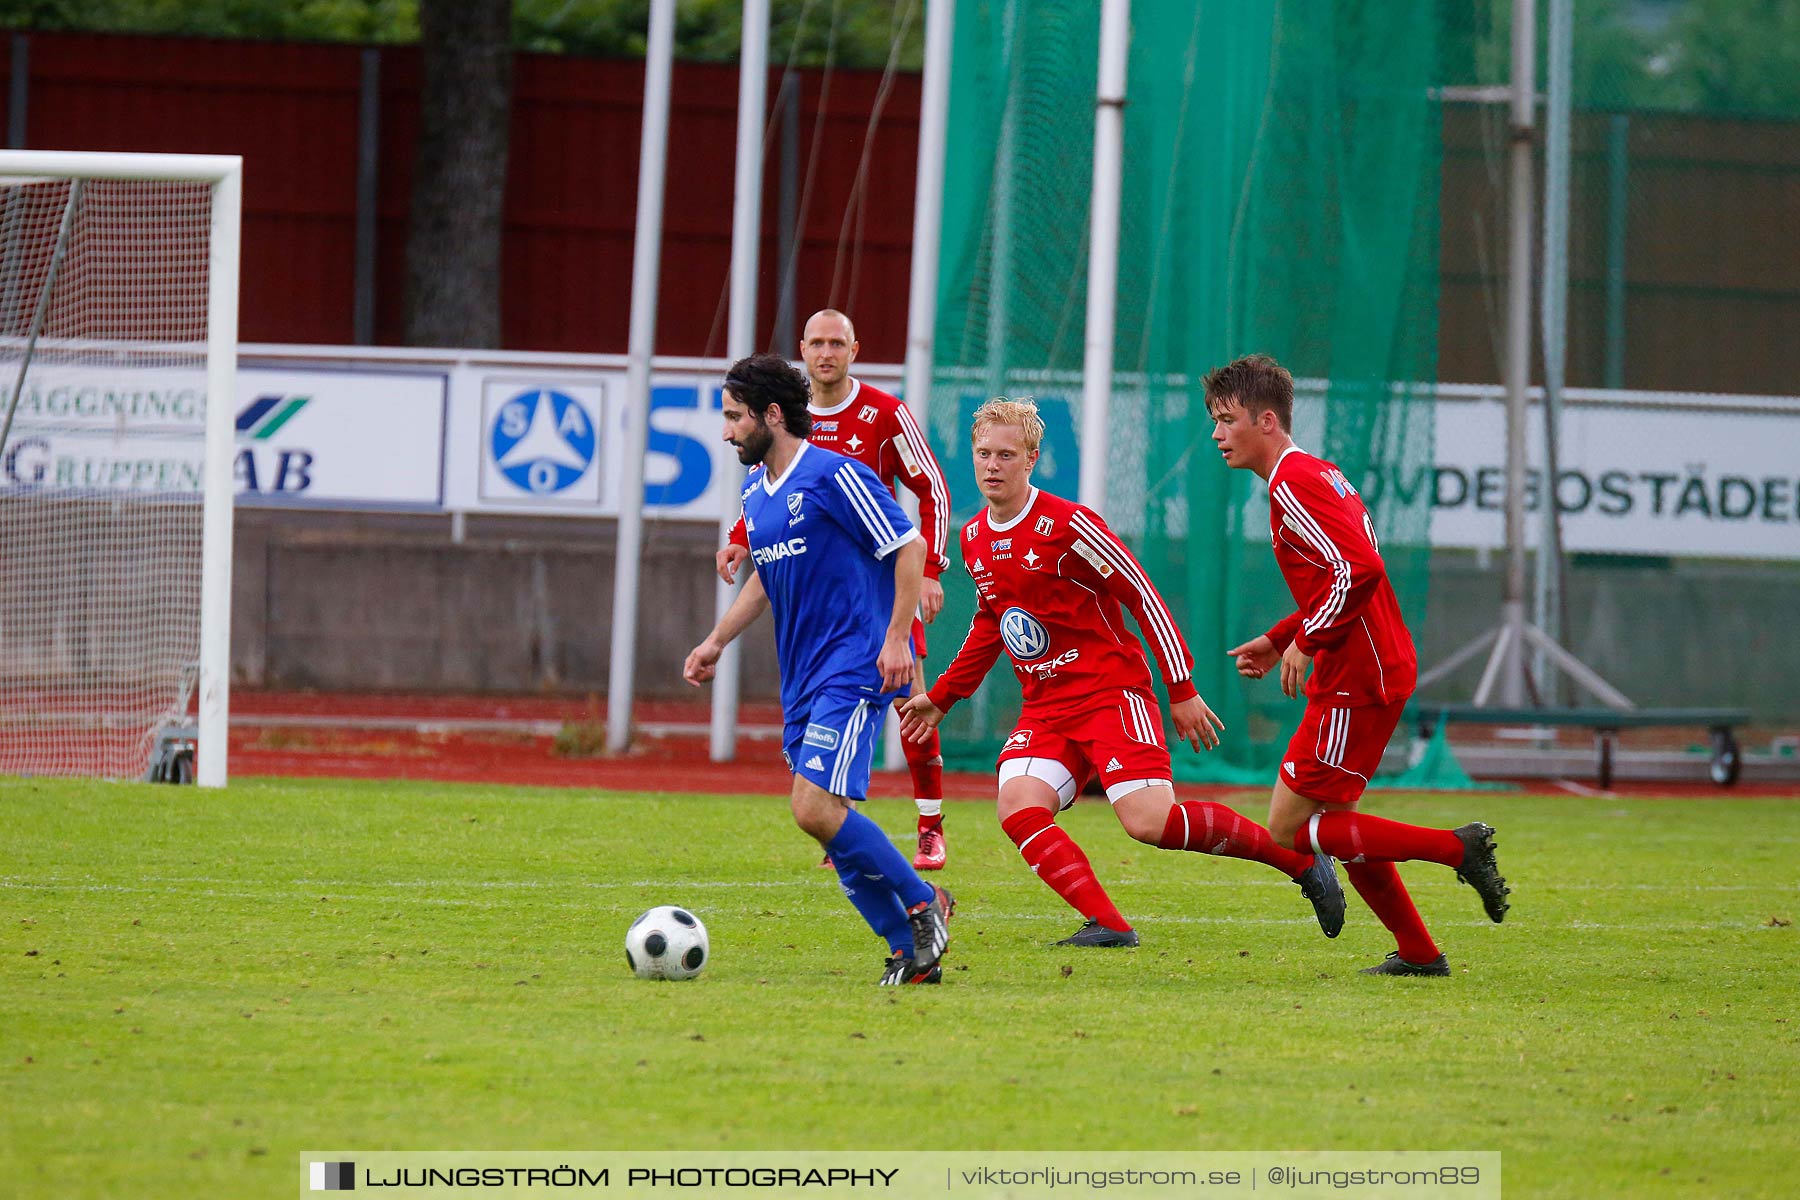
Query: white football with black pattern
{"points": [[668, 942]]}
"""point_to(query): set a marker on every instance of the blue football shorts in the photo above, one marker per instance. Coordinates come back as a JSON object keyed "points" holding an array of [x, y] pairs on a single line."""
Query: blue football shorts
{"points": [[833, 742]]}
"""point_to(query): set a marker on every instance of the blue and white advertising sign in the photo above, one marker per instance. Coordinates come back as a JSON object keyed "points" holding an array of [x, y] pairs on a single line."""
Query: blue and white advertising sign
{"points": [[91, 427], [541, 441], [305, 436], [1658, 475], [689, 472], [555, 442], [321, 437], [1706, 476], [1638, 473]]}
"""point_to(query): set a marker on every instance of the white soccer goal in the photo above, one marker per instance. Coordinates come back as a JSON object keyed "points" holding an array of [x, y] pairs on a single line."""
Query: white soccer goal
{"points": [[118, 360]]}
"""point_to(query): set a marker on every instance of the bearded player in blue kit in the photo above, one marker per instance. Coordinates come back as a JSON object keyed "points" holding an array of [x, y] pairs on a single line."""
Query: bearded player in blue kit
{"points": [[822, 529]]}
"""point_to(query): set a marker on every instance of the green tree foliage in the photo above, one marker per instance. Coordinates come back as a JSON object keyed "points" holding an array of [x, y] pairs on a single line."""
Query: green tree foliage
{"points": [[845, 33], [290, 20], [1740, 56], [1722, 56], [1704, 56]]}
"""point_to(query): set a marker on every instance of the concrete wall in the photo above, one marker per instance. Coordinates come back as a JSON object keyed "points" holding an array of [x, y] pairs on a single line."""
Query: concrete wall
{"points": [[359, 602]]}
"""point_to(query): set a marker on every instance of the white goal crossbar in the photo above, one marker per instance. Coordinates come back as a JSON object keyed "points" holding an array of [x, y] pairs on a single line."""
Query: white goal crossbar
{"points": [[223, 176]]}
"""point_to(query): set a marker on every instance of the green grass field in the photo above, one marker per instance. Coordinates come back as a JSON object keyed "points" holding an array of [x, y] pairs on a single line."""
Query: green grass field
{"points": [[196, 987]]}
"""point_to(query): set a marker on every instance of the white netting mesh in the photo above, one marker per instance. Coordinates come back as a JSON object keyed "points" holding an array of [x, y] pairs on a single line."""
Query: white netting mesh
{"points": [[105, 340]]}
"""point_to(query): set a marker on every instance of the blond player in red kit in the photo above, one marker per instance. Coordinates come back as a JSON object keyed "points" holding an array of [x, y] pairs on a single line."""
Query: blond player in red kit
{"points": [[878, 430], [1052, 585], [1347, 628]]}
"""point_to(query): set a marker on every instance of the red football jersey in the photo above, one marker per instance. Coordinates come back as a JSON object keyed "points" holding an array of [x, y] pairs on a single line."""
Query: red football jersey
{"points": [[1049, 584], [880, 432], [1349, 618]]}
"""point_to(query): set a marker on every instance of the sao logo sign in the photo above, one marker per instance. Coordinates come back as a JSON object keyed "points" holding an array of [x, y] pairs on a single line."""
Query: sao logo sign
{"points": [[542, 441]]}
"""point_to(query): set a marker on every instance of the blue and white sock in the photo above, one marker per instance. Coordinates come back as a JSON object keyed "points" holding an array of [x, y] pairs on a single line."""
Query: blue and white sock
{"points": [[861, 844], [878, 906]]}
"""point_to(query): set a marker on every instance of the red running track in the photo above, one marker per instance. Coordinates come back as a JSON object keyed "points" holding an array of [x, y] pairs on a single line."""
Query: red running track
{"points": [[510, 740]]}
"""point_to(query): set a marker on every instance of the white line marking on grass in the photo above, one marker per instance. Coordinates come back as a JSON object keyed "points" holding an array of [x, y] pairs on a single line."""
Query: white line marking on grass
{"points": [[1018, 880], [828, 898], [1569, 785], [299, 897]]}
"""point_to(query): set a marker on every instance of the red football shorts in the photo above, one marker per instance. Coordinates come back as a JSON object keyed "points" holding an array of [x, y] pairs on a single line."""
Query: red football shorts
{"points": [[1117, 735], [918, 634], [1336, 750]]}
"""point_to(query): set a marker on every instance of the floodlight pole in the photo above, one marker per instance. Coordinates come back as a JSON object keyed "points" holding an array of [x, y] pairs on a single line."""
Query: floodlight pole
{"points": [[1103, 250], [1001, 257], [928, 231], [646, 266], [1508, 655], [928, 210], [740, 336], [1547, 590], [1506, 663]]}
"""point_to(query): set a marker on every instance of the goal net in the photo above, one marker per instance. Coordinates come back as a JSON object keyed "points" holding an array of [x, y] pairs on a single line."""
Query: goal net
{"points": [[118, 278]]}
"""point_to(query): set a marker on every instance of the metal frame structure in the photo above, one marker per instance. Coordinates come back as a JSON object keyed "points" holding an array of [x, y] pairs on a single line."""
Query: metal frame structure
{"points": [[225, 174], [1506, 642], [646, 270]]}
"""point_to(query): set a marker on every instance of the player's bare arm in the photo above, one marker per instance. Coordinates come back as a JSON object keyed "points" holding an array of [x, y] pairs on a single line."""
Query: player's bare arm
{"points": [[918, 717], [931, 599], [750, 604], [896, 661], [1256, 657], [1295, 662], [1196, 724], [727, 560]]}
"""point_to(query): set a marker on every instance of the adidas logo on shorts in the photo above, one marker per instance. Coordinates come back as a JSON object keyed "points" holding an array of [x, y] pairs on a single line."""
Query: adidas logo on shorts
{"points": [[1289, 768], [1113, 765], [813, 764]]}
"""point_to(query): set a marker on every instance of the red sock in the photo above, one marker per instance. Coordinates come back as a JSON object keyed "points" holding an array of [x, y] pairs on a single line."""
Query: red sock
{"points": [[1358, 837], [926, 762], [1208, 828], [1378, 883], [1055, 858]]}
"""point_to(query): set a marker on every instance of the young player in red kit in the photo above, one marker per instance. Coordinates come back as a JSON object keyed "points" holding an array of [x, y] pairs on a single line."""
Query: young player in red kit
{"points": [[1348, 628], [876, 429], [1050, 579]]}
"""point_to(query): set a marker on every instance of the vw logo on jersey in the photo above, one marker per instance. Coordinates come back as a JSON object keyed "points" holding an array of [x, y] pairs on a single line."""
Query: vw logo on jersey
{"points": [[542, 441], [1024, 635]]}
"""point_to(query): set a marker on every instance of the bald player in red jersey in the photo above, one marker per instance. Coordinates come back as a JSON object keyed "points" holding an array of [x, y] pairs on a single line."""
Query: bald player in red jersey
{"points": [[1347, 627], [1053, 584], [878, 430]]}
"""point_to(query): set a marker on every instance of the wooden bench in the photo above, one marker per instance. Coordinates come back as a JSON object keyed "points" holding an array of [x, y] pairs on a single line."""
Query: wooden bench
{"points": [[1606, 723]]}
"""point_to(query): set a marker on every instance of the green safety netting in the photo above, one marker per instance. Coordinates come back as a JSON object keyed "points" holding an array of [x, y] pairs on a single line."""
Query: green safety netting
{"points": [[1280, 195]]}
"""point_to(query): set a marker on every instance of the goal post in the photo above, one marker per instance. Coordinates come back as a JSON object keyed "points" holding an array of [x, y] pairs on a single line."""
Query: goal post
{"points": [[118, 364]]}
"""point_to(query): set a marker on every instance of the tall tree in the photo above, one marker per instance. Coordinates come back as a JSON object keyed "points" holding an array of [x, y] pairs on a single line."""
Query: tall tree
{"points": [[459, 177]]}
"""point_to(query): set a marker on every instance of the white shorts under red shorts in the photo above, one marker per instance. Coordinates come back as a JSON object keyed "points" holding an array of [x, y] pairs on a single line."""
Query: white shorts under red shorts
{"points": [[1335, 751], [1116, 735]]}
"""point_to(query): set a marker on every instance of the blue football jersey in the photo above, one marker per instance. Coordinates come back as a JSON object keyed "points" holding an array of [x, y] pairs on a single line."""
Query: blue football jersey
{"points": [[820, 537]]}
